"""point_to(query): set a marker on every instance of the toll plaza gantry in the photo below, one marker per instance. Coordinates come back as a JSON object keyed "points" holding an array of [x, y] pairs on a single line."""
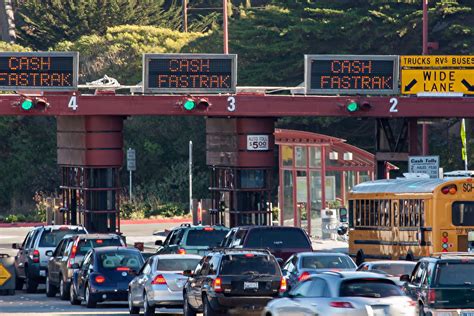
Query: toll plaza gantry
{"points": [[239, 121]]}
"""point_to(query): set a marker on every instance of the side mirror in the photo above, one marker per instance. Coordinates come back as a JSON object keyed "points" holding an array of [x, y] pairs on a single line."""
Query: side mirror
{"points": [[75, 266], [49, 253], [16, 246], [343, 215], [159, 243], [188, 273], [405, 278]]}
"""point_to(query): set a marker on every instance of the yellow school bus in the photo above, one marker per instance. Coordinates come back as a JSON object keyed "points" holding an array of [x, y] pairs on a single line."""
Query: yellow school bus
{"points": [[408, 218]]}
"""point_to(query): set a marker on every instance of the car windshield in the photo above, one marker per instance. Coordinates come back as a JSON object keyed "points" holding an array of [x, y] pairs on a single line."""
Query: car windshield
{"points": [[277, 238], [176, 264], [327, 262], [394, 269], [84, 245], [376, 288], [51, 238], [455, 273], [113, 260], [203, 237], [244, 264]]}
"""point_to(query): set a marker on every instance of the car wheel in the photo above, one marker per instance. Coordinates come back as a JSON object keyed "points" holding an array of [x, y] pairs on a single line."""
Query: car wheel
{"points": [[31, 284], [50, 289], [63, 289], [133, 310], [187, 309], [148, 310], [90, 302], [73, 297], [208, 311], [19, 283]]}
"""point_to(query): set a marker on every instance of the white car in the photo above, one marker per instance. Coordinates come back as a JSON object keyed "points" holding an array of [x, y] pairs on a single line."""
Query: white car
{"points": [[343, 293], [158, 286]]}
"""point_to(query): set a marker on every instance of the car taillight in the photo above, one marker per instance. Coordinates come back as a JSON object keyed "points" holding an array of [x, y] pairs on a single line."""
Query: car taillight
{"points": [[412, 303], [217, 285], [99, 241], [73, 252], [99, 279], [208, 229], [181, 251], [304, 276], [283, 286], [451, 189], [341, 305], [431, 296], [159, 279], [36, 256]]}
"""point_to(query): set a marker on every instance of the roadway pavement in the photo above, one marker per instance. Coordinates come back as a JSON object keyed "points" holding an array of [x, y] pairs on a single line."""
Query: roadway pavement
{"points": [[38, 304]]}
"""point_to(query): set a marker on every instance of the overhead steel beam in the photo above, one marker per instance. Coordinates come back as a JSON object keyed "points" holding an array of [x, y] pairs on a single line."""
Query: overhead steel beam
{"points": [[246, 105]]}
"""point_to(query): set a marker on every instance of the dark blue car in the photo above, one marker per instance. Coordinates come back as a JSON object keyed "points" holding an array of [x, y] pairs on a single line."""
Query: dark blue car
{"points": [[104, 275]]}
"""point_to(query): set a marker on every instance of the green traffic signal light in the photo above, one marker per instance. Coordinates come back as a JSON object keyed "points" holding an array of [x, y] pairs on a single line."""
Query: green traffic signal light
{"points": [[352, 106], [189, 105], [27, 104]]}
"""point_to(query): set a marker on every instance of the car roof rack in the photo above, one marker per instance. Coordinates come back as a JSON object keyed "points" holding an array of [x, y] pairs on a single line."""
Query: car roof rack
{"points": [[185, 225], [226, 250], [451, 254]]}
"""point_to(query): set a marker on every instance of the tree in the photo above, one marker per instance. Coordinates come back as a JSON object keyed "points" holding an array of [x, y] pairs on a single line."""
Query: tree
{"points": [[118, 53], [44, 23]]}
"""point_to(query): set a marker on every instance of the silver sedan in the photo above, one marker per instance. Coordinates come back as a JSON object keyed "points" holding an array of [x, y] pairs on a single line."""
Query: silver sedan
{"points": [[343, 293], [158, 286]]}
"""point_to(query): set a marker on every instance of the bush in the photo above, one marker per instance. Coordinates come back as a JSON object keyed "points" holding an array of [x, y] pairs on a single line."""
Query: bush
{"points": [[167, 210], [11, 218]]}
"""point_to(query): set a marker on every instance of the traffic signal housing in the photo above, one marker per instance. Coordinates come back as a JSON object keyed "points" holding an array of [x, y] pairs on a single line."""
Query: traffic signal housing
{"points": [[353, 106], [189, 104], [28, 103]]}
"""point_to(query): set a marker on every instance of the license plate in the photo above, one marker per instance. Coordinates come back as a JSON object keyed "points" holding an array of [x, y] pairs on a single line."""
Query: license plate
{"points": [[250, 285], [42, 273], [467, 313], [380, 310]]}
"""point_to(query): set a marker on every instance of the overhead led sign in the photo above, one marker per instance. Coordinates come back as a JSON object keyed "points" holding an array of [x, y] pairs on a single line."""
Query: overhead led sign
{"points": [[38, 70], [351, 74], [187, 73]]}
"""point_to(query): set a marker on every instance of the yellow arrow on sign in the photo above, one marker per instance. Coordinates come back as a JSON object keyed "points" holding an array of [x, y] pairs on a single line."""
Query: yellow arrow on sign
{"points": [[4, 275], [437, 81]]}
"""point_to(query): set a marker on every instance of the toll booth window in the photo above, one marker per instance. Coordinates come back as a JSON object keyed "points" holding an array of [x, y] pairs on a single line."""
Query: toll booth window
{"points": [[252, 179], [463, 213]]}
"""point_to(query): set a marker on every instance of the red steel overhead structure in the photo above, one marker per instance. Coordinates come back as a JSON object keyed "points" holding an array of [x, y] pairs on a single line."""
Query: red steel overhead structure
{"points": [[248, 105]]}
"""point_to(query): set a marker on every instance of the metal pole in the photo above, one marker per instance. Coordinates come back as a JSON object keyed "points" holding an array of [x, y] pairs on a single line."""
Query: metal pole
{"points": [[424, 134], [130, 184], [190, 176], [226, 31], [185, 16], [464, 142]]}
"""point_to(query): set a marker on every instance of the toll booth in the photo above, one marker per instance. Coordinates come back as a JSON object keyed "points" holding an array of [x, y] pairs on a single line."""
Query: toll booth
{"points": [[240, 157], [90, 156]]}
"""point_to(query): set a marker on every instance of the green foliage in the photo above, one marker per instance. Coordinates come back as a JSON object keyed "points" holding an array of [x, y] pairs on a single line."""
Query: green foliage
{"points": [[27, 160], [43, 23], [118, 53], [147, 206]]}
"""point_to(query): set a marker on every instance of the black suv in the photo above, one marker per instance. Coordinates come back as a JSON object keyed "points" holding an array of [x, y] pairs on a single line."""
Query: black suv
{"points": [[233, 279], [282, 241], [442, 283], [189, 239]]}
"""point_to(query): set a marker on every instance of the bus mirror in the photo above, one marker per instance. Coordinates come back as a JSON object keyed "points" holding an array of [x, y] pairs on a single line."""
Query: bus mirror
{"points": [[343, 215]]}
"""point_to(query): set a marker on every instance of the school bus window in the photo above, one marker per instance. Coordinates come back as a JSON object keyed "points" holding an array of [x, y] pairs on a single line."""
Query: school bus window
{"points": [[463, 213], [422, 213], [395, 213]]}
